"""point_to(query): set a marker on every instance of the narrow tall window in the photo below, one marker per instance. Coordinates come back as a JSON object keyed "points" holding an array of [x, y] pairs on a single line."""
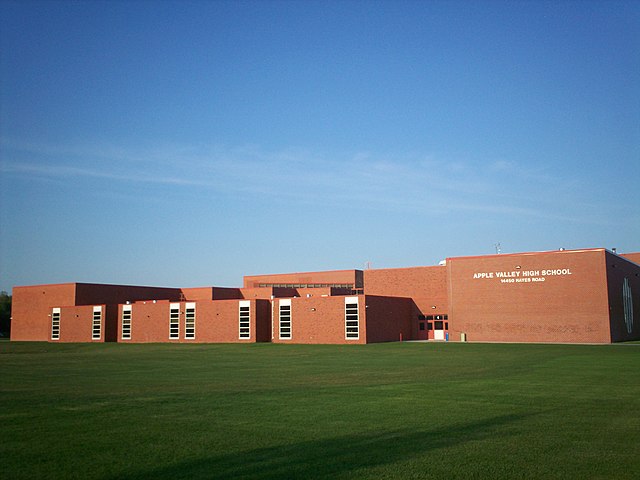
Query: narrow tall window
{"points": [[245, 319], [174, 321], [126, 322], [351, 318], [285, 319], [627, 302], [55, 324], [96, 326], [190, 321]]}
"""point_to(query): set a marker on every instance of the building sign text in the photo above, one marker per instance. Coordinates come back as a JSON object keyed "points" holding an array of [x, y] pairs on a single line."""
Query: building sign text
{"points": [[523, 276]]}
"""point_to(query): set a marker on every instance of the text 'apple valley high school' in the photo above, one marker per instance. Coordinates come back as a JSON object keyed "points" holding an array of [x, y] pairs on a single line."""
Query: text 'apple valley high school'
{"points": [[568, 296]]}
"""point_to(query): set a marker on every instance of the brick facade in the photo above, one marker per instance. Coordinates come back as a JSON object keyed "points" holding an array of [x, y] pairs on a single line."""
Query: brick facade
{"points": [[317, 319], [577, 296], [215, 322], [542, 297]]}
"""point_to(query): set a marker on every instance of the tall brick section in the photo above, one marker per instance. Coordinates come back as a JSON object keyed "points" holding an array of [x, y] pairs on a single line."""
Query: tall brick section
{"points": [[425, 287], [559, 296]]}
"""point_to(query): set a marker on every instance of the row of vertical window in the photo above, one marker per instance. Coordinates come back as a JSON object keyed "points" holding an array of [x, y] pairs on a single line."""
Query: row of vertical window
{"points": [[306, 285], [437, 325], [244, 321], [189, 321], [96, 324], [351, 319], [433, 317], [351, 316]]}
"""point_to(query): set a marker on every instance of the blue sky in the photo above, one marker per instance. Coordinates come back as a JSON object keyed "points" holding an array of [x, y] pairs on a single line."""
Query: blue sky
{"points": [[191, 143]]}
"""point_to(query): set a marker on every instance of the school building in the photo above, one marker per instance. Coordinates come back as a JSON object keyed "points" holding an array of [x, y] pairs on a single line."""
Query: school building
{"points": [[568, 296]]}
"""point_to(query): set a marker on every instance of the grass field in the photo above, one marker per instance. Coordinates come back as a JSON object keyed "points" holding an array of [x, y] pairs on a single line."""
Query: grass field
{"points": [[407, 411]]}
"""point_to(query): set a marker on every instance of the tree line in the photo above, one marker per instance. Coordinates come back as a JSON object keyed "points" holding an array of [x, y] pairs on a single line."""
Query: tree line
{"points": [[5, 314]]}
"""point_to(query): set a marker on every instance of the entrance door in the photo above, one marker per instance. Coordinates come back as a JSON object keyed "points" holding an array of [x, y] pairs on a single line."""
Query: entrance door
{"points": [[438, 328]]}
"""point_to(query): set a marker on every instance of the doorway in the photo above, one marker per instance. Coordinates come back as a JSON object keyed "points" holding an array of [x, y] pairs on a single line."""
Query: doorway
{"points": [[434, 327]]}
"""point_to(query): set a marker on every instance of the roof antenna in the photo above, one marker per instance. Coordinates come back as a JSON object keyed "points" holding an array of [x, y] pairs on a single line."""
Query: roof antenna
{"points": [[498, 250]]}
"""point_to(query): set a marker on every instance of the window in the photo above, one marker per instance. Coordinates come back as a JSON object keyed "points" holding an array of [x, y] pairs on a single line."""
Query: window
{"points": [[126, 322], [421, 317], [439, 324], [285, 319], [174, 321], [190, 321], [55, 324], [421, 326], [96, 327], [308, 285], [245, 319], [351, 318]]}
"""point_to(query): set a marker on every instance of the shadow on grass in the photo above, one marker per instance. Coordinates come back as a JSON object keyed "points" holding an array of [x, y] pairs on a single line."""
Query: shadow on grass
{"points": [[328, 457]]}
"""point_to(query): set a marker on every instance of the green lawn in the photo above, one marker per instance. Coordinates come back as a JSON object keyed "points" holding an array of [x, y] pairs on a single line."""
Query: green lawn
{"points": [[400, 410]]}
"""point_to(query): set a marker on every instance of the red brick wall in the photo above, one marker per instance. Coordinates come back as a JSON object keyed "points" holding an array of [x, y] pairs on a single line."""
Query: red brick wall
{"points": [[427, 286], [216, 322], [32, 304], [317, 320], [388, 319], [330, 277], [149, 322], [562, 308], [31, 309], [322, 319], [76, 324], [634, 257], [196, 293], [618, 270], [249, 293]]}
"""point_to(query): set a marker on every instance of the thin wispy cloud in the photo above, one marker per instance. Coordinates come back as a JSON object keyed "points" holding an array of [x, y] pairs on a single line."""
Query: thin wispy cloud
{"points": [[361, 179]]}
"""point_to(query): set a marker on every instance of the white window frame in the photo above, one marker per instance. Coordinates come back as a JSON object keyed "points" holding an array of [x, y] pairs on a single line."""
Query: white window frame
{"points": [[127, 316], [244, 320], [96, 324], [174, 321], [190, 321], [55, 324], [351, 324], [284, 318]]}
